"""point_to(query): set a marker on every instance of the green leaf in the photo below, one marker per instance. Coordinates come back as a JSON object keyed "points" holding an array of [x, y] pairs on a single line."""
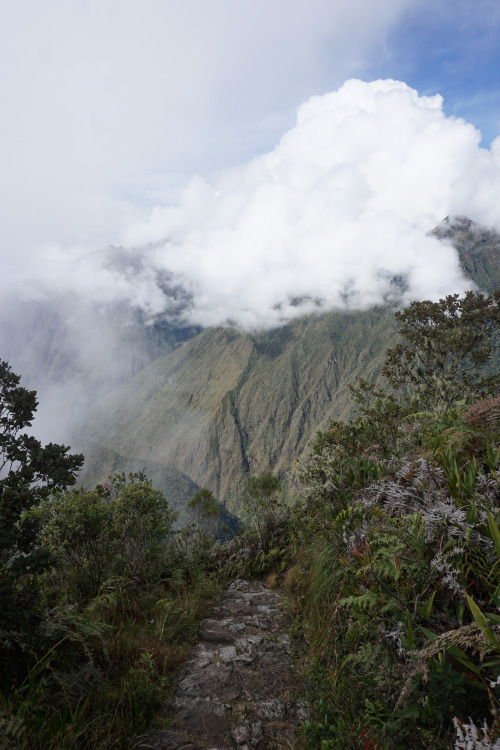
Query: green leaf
{"points": [[462, 657], [432, 636], [482, 621], [495, 532], [426, 610]]}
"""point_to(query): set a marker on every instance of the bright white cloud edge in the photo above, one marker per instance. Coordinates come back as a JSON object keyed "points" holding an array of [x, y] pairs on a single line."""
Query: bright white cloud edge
{"points": [[330, 217]]}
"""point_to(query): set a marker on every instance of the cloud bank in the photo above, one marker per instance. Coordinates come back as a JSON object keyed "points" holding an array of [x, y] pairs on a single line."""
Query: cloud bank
{"points": [[108, 103], [331, 218], [335, 217]]}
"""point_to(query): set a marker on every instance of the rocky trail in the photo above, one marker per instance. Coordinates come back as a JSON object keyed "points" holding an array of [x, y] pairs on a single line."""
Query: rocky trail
{"points": [[236, 690]]}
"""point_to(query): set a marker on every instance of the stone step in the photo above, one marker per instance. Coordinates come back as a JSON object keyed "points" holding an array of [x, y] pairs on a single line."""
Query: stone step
{"points": [[235, 688]]}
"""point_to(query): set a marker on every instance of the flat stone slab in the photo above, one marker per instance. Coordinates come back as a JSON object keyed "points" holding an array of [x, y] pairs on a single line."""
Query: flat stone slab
{"points": [[216, 636]]}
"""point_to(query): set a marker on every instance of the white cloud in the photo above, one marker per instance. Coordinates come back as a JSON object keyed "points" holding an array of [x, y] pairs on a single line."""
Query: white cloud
{"points": [[339, 208], [98, 95], [329, 219]]}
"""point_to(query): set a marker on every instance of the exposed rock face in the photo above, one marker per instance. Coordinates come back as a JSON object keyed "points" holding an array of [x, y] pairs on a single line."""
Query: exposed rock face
{"points": [[478, 249], [236, 689]]}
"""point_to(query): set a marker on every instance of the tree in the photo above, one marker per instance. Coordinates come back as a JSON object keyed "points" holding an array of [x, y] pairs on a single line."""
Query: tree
{"points": [[206, 510], [262, 504], [143, 521], [29, 473], [447, 351], [119, 528]]}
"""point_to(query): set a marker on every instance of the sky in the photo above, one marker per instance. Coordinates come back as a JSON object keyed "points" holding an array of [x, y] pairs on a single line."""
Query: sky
{"points": [[274, 157]]}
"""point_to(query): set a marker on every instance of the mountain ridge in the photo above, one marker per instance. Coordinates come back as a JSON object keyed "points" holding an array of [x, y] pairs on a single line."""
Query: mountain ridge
{"points": [[212, 405], [252, 402], [218, 408]]}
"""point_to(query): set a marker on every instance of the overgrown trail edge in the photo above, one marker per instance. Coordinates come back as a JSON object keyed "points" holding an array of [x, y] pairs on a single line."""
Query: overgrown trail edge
{"points": [[235, 691]]}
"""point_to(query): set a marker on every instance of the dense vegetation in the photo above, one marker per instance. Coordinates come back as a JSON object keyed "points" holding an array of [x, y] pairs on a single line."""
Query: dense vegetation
{"points": [[100, 597], [397, 574], [391, 560]]}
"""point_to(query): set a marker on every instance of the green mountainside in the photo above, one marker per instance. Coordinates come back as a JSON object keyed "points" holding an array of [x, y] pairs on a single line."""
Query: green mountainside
{"points": [[228, 403]]}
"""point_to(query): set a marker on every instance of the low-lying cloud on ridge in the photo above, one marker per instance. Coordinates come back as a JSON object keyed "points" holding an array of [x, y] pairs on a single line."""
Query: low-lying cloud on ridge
{"points": [[330, 219]]}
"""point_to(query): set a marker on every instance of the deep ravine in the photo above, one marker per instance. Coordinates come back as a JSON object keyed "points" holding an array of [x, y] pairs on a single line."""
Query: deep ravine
{"points": [[237, 689]]}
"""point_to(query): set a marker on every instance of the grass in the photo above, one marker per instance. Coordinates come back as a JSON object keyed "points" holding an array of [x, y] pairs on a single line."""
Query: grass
{"points": [[106, 692]]}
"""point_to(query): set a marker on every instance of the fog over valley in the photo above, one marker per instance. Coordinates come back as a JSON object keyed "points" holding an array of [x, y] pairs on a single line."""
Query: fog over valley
{"points": [[161, 178]]}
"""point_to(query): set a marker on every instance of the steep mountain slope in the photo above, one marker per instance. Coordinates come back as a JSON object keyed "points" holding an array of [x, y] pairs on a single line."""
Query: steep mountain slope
{"points": [[227, 402], [478, 248]]}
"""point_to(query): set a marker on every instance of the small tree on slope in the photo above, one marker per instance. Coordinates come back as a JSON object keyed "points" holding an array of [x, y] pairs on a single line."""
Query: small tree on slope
{"points": [[447, 350], [29, 472]]}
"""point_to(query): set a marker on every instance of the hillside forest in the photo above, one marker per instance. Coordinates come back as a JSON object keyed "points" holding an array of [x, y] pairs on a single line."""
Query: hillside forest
{"points": [[388, 553]]}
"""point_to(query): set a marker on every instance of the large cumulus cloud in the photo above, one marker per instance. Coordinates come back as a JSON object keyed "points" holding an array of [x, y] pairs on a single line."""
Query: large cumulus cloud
{"points": [[331, 218], [337, 216]]}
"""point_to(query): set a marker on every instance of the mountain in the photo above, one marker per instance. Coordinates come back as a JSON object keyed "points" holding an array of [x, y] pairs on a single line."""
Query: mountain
{"points": [[478, 249], [205, 408], [227, 403]]}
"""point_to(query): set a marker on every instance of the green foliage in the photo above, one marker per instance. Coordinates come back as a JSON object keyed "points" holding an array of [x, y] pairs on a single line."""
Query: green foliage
{"points": [[143, 522], [118, 529], [206, 510], [381, 419], [99, 600], [102, 666], [262, 504], [446, 350], [29, 473], [103, 673], [398, 574]]}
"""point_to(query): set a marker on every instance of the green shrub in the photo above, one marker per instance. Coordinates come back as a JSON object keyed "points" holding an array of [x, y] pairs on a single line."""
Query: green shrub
{"points": [[121, 528]]}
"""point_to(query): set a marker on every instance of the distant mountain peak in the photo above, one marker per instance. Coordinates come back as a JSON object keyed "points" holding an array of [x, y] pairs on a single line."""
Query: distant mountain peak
{"points": [[477, 246], [457, 222]]}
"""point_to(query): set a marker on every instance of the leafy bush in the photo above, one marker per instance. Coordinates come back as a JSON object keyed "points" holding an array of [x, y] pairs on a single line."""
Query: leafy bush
{"points": [[205, 510], [29, 473], [448, 346], [398, 578], [121, 528], [263, 505]]}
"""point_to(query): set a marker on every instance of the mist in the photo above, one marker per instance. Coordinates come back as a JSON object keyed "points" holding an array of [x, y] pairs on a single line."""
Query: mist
{"points": [[336, 217]]}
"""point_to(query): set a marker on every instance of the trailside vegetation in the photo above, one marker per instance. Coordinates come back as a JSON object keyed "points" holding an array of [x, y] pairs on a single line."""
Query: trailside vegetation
{"points": [[100, 595], [29, 473], [446, 349], [397, 566], [391, 559]]}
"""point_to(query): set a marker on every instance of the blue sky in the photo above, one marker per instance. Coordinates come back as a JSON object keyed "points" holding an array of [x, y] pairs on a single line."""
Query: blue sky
{"points": [[452, 49]]}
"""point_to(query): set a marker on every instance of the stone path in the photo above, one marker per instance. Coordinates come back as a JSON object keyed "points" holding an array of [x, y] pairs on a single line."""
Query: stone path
{"points": [[236, 689]]}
